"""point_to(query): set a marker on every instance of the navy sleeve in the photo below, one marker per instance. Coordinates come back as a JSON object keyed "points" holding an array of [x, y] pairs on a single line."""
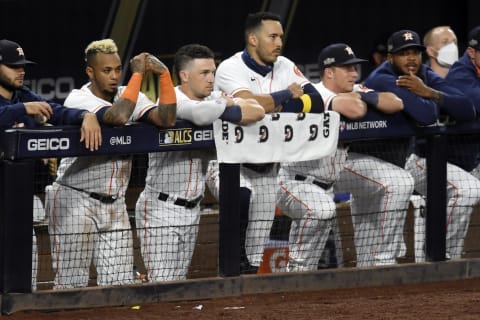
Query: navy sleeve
{"points": [[455, 103], [423, 111], [296, 105], [232, 114], [10, 113], [61, 114], [466, 80]]}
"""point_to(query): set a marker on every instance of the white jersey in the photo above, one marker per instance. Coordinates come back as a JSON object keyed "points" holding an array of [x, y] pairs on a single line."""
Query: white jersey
{"points": [[233, 76], [325, 169], [107, 174], [181, 173], [202, 112]]}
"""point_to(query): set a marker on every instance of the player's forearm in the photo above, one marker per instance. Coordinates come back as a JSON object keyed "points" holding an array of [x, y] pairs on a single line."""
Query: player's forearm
{"points": [[349, 106], [164, 115], [389, 102], [265, 100], [119, 113]]}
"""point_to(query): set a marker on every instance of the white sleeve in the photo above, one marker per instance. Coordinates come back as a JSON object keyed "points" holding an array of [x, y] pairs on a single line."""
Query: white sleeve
{"points": [[200, 113], [143, 105], [81, 99], [327, 95], [293, 74], [231, 76]]}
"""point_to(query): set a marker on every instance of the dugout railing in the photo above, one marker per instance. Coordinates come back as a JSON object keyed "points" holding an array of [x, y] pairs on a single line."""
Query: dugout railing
{"points": [[19, 146]]}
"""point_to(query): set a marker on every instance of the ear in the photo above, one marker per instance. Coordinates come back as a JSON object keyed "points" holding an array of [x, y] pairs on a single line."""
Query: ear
{"points": [[89, 72], [471, 52], [430, 52], [252, 39], [390, 57], [183, 76], [329, 72]]}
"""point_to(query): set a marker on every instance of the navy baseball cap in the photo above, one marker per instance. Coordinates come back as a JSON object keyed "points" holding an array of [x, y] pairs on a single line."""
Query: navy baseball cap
{"points": [[404, 39], [474, 38], [337, 54], [11, 54]]}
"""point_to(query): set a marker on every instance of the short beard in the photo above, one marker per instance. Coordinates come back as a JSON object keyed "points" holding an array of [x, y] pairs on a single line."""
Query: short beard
{"points": [[8, 85], [399, 71], [110, 94]]}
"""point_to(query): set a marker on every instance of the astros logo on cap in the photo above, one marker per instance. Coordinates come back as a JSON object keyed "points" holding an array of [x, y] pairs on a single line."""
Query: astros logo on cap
{"points": [[407, 36]]}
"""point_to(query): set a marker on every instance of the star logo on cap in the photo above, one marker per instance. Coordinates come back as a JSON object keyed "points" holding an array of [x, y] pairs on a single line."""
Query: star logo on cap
{"points": [[407, 36], [20, 51], [349, 51]]}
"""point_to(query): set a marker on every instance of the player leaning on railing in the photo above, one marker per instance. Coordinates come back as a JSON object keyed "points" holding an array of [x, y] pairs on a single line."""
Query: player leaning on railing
{"points": [[86, 205], [20, 107]]}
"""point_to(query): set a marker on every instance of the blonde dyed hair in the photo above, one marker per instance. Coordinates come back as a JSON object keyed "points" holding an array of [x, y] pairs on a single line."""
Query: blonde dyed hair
{"points": [[100, 46]]}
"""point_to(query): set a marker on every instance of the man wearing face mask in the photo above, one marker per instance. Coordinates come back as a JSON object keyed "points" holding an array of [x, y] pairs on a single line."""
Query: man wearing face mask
{"points": [[465, 76], [426, 95], [441, 49]]}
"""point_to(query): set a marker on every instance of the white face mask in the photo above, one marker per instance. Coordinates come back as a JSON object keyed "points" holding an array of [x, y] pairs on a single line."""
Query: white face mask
{"points": [[447, 55]]}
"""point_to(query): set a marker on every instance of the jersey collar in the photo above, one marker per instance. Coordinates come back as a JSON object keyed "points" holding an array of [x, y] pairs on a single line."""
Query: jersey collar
{"points": [[252, 64]]}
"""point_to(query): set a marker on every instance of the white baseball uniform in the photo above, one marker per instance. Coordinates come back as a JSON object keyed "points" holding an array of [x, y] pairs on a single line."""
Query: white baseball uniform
{"points": [[83, 227], [234, 76], [380, 192], [463, 192], [305, 195], [168, 210]]}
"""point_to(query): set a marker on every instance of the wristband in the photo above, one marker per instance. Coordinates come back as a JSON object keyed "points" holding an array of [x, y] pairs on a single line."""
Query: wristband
{"points": [[370, 97], [232, 114], [281, 96], [307, 102], [166, 90], [133, 87]]}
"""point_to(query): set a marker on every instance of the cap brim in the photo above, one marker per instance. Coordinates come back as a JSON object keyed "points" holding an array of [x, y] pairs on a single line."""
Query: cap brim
{"points": [[352, 61], [20, 63], [408, 46]]}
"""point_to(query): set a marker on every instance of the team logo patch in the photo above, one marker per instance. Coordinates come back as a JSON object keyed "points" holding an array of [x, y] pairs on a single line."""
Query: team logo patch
{"points": [[20, 51], [407, 36], [298, 72]]}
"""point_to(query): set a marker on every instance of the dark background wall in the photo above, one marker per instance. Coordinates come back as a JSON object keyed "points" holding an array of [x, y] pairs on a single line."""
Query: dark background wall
{"points": [[54, 33]]}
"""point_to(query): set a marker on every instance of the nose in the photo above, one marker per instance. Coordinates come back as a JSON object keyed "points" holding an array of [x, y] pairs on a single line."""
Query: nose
{"points": [[115, 75], [279, 42], [211, 78]]}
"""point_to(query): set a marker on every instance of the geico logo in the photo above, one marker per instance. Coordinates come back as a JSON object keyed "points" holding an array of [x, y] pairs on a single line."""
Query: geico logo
{"points": [[203, 135], [48, 144], [120, 140], [50, 88]]}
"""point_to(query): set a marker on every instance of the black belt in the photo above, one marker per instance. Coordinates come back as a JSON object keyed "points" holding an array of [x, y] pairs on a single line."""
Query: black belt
{"points": [[103, 198], [322, 185], [260, 168], [180, 201]]}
